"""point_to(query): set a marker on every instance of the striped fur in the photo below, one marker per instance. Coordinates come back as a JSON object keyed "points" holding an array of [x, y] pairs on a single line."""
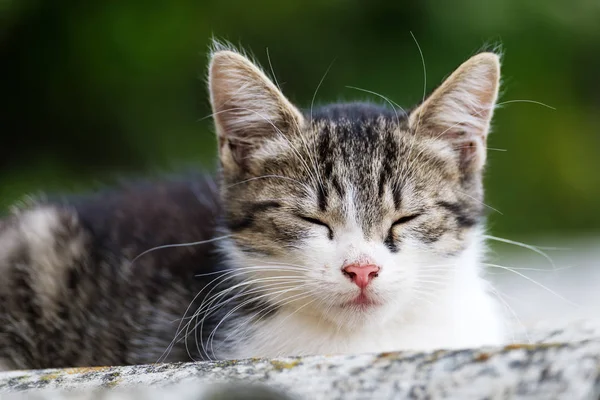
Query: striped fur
{"points": [[298, 196]]}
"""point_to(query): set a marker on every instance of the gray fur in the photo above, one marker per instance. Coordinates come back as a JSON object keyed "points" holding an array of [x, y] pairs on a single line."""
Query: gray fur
{"points": [[70, 295], [353, 145]]}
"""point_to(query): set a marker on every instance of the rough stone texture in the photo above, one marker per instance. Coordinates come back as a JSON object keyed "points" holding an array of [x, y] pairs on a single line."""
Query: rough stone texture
{"points": [[565, 363]]}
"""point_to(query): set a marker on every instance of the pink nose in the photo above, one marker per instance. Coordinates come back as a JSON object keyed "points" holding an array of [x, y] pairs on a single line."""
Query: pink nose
{"points": [[361, 274]]}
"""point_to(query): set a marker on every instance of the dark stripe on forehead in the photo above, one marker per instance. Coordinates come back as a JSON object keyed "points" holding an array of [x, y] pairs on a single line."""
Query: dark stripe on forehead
{"points": [[327, 167], [326, 160], [381, 184], [323, 144], [463, 219], [322, 194], [338, 187], [397, 193], [389, 168]]}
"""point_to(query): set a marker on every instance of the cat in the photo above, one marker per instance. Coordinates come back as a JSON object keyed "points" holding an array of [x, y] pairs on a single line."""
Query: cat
{"points": [[347, 228]]}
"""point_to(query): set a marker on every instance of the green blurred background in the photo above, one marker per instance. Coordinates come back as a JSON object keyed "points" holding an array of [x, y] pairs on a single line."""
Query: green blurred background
{"points": [[94, 90]]}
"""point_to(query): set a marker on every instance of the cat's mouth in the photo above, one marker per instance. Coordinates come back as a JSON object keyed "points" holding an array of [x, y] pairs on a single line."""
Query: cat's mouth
{"points": [[362, 301]]}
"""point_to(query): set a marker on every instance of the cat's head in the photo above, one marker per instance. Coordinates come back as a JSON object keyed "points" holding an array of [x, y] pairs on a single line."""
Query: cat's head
{"points": [[351, 210]]}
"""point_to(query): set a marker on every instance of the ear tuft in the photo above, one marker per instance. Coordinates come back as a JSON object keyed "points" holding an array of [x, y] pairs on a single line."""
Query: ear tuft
{"points": [[461, 109], [248, 108]]}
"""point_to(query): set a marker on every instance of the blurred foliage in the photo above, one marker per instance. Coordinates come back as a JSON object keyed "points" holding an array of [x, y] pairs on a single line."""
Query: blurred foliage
{"points": [[95, 89]]}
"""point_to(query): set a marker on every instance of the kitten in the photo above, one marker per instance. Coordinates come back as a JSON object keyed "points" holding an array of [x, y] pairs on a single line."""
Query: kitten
{"points": [[344, 229]]}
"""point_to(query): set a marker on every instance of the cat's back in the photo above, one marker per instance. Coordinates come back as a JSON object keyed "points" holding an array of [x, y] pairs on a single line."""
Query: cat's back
{"points": [[73, 274], [139, 215], [129, 220]]}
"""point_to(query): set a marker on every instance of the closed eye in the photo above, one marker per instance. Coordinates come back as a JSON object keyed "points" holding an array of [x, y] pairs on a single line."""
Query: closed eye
{"points": [[405, 219], [315, 221], [390, 240]]}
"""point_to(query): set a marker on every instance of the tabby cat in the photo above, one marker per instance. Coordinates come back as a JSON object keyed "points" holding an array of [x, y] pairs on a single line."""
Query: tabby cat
{"points": [[343, 229]]}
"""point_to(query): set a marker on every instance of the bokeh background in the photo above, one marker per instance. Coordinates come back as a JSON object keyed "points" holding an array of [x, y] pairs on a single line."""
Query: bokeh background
{"points": [[98, 89]]}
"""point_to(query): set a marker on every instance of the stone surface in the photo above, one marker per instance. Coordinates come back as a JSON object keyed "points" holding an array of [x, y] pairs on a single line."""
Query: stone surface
{"points": [[565, 363]]}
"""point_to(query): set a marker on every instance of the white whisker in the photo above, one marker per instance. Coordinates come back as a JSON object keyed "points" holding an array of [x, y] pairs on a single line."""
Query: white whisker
{"points": [[390, 102], [166, 246], [272, 70], [265, 177], [312, 102], [524, 245], [526, 101], [498, 295], [534, 282], [424, 73], [480, 202]]}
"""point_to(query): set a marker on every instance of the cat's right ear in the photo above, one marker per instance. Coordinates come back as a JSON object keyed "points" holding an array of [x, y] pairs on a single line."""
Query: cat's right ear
{"points": [[459, 112], [249, 110]]}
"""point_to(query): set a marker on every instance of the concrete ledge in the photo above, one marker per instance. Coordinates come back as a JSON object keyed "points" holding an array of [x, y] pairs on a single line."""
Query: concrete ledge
{"points": [[553, 369]]}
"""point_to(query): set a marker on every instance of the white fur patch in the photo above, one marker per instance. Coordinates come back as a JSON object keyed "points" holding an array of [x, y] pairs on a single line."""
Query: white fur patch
{"points": [[463, 315], [48, 262]]}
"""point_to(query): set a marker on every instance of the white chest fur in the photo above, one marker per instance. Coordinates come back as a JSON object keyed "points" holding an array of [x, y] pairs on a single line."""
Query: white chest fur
{"points": [[464, 316]]}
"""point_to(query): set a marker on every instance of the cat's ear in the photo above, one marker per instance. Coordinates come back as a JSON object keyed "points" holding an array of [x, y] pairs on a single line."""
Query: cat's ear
{"points": [[248, 108], [461, 109]]}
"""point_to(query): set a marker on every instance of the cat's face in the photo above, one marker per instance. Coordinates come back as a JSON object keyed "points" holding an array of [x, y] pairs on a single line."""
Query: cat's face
{"points": [[351, 212]]}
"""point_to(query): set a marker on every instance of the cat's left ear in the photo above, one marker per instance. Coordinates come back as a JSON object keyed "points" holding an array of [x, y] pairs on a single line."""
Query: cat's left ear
{"points": [[460, 110]]}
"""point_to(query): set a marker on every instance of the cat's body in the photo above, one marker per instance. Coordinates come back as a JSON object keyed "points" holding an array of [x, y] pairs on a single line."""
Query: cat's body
{"points": [[351, 228], [69, 293]]}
